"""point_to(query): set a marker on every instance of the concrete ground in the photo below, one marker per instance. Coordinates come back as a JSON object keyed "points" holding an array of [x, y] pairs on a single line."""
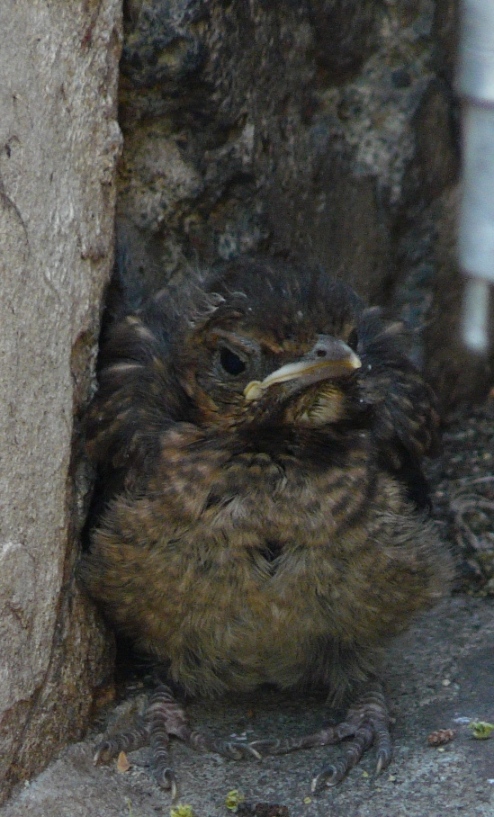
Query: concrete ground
{"points": [[440, 675]]}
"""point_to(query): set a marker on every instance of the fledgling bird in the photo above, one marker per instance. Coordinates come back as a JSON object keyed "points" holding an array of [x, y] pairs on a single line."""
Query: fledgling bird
{"points": [[259, 442]]}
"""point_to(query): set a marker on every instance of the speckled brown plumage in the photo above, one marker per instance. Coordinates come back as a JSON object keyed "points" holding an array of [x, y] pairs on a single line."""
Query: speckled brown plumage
{"points": [[259, 527]]}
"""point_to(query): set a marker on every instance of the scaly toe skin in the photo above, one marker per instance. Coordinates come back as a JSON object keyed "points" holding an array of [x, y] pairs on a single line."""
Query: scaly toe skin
{"points": [[160, 761], [366, 724], [164, 718], [368, 719], [121, 742], [103, 753], [232, 749], [335, 773], [240, 751], [165, 778], [324, 737]]}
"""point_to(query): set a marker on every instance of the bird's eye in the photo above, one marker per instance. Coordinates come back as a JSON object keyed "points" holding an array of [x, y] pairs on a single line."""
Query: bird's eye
{"points": [[232, 363], [353, 340]]}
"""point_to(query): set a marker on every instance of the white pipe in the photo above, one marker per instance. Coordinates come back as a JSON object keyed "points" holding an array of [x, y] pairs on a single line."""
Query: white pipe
{"points": [[476, 228]]}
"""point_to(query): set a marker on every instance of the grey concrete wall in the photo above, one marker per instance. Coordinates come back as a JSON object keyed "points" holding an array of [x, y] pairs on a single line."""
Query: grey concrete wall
{"points": [[59, 141]]}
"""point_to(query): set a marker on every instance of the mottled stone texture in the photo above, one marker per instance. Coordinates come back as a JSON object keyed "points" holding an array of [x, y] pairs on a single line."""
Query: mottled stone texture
{"points": [[239, 135], [59, 141], [322, 129]]}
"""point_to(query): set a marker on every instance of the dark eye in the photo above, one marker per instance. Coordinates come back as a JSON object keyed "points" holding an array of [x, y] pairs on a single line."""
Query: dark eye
{"points": [[353, 340], [232, 363]]}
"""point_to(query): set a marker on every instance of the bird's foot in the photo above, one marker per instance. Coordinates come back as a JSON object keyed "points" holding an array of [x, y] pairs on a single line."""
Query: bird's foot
{"points": [[366, 723], [163, 718]]}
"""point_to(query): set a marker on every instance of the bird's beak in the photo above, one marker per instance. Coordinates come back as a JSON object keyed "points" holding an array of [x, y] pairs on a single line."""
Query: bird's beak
{"points": [[330, 358]]}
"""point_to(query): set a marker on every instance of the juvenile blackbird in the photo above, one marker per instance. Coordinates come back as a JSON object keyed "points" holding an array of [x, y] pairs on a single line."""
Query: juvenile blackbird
{"points": [[259, 441]]}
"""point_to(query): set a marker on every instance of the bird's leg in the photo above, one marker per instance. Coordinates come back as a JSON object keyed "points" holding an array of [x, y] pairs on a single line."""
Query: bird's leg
{"points": [[366, 723], [164, 717]]}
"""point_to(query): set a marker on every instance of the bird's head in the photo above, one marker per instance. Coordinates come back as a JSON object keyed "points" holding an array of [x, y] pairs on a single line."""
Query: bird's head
{"points": [[277, 346], [257, 345]]}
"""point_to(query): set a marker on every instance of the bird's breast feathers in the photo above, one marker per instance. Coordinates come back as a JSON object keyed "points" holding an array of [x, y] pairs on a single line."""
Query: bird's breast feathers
{"points": [[236, 567]]}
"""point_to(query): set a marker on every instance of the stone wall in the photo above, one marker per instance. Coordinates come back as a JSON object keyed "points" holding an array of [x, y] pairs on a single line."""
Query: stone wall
{"points": [[59, 141]]}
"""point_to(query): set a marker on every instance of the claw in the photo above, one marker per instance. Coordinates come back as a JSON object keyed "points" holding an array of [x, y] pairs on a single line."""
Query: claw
{"points": [[102, 753], [173, 789], [267, 746], [232, 750], [253, 752], [366, 723], [235, 750], [243, 751], [165, 778], [383, 760], [164, 717], [328, 776]]}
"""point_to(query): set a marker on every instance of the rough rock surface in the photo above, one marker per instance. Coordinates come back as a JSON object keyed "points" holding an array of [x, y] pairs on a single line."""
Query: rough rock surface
{"points": [[59, 140]]}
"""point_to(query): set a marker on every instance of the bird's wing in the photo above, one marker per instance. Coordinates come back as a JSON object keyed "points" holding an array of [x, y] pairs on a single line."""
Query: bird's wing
{"points": [[405, 420], [136, 400]]}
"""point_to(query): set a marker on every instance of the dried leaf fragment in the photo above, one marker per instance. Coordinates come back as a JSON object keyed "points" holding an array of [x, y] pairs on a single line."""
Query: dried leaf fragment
{"points": [[440, 737], [123, 763]]}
